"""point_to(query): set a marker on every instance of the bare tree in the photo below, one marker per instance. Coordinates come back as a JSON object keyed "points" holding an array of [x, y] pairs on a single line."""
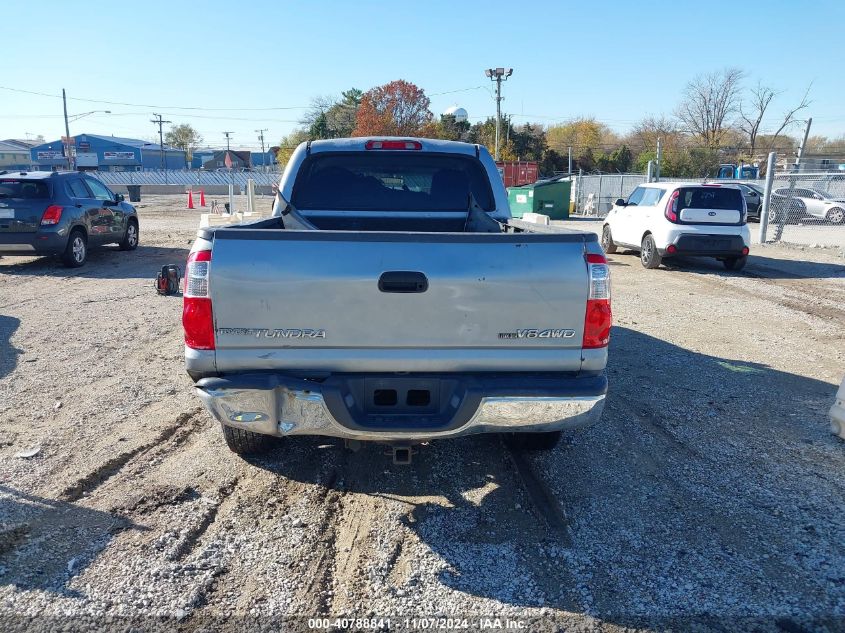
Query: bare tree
{"points": [[645, 133], [789, 117], [750, 121], [708, 102]]}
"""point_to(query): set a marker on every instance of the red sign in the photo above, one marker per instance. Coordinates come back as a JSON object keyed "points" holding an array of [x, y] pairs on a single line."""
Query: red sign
{"points": [[228, 161]]}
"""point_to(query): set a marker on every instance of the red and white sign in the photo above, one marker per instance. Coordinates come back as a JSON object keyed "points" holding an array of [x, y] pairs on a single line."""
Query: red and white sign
{"points": [[228, 161]]}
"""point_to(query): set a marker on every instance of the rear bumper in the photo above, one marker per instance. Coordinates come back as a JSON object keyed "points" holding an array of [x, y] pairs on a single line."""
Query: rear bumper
{"points": [[694, 244], [278, 405], [37, 243]]}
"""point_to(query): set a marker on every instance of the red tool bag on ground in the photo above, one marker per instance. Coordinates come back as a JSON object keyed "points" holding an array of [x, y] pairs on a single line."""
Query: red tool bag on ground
{"points": [[167, 281]]}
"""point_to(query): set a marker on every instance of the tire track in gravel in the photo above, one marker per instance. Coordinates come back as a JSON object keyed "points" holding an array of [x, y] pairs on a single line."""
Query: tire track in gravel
{"points": [[796, 294], [543, 499], [272, 495], [196, 531], [179, 431]]}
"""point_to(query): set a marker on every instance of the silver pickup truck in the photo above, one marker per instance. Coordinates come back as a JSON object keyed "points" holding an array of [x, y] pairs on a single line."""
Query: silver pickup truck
{"points": [[392, 298]]}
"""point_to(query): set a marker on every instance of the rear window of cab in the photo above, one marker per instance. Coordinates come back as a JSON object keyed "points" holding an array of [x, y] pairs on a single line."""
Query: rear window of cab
{"points": [[391, 181]]}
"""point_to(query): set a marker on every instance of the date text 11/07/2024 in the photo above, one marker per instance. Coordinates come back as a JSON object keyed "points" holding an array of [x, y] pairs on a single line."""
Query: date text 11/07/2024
{"points": [[418, 624]]}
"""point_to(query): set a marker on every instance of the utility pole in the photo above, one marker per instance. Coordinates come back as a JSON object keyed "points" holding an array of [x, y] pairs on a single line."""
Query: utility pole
{"points": [[803, 146], [498, 75], [160, 122], [67, 134], [657, 162], [227, 139], [570, 160], [263, 156], [782, 217]]}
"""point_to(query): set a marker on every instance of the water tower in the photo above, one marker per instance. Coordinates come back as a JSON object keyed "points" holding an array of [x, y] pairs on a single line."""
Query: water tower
{"points": [[459, 113]]}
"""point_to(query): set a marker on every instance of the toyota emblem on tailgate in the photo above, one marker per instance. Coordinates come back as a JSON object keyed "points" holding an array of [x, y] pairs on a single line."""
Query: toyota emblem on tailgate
{"points": [[712, 213]]}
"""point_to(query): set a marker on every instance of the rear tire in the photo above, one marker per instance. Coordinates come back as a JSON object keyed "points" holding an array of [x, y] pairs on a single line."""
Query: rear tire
{"points": [[649, 257], [76, 251], [130, 239], [533, 441], [735, 263], [246, 442], [607, 240], [835, 215]]}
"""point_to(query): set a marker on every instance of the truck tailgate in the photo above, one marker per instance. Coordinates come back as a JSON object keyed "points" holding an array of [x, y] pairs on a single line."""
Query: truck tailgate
{"points": [[340, 301]]}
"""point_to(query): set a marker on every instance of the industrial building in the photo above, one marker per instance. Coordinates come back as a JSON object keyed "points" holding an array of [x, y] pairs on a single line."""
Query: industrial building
{"points": [[93, 152], [14, 154]]}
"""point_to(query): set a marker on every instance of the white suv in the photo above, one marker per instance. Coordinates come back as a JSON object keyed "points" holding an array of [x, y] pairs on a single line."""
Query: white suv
{"points": [[663, 220]]}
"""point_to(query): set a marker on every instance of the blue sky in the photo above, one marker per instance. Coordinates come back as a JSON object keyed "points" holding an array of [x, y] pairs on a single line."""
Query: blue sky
{"points": [[615, 60]]}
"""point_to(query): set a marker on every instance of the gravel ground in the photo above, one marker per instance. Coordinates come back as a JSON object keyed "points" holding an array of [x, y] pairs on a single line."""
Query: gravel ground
{"points": [[711, 495]]}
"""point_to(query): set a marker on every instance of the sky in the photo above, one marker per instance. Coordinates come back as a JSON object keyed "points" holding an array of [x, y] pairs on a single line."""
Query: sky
{"points": [[244, 66]]}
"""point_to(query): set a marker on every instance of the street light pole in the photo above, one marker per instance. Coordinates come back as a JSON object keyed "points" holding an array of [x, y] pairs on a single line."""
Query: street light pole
{"points": [[498, 75]]}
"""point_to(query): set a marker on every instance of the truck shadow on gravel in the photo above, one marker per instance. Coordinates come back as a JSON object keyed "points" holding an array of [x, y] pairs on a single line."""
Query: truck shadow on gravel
{"points": [[8, 352], [694, 499], [45, 543], [105, 262]]}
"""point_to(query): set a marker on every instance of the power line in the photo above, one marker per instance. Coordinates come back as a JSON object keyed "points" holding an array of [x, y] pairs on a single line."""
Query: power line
{"points": [[158, 107]]}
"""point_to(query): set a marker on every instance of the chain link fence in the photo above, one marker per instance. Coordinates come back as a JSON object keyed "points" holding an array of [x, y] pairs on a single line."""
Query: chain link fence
{"points": [[807, 209], [595, 195], [159, 177]]}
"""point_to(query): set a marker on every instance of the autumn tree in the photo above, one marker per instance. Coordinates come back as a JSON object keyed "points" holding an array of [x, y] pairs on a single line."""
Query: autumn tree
{"points": [[398, 108], [288, 144], [183, 136], [579, 134]]}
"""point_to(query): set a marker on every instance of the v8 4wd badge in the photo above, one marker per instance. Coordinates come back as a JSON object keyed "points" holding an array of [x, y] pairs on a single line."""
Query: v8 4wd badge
{"points": [[537, 333]]}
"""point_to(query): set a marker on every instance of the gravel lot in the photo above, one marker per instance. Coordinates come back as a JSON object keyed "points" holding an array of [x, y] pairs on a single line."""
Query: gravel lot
{"points": [[711, 494]]}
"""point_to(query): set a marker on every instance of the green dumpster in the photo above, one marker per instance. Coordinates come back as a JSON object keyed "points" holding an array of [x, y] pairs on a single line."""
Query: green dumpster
{"points": [[549, 197]]}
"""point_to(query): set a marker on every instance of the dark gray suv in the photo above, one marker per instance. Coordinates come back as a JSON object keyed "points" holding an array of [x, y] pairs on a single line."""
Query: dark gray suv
{"points": [[62, 213]]}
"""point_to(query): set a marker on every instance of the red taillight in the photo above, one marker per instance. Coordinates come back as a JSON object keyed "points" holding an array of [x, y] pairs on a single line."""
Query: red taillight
{"points": [[597, 320], [672, 207], [393, 145], [52, 215], [671, 249], [745, 250], [197, 315]]}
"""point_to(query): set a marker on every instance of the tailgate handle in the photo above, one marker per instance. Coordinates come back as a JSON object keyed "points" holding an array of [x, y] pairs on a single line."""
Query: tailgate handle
{"points": [[403, 281]]}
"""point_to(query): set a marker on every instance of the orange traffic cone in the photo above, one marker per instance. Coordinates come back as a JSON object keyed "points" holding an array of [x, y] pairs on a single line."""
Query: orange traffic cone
{"points": [[202, 197], [190, 198]]}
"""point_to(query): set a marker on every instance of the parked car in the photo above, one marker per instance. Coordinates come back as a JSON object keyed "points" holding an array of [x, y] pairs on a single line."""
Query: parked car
{"points": [[662, 220], [837, 413], [805, 201], [753, 200], [62, 213], [389, 299]]}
